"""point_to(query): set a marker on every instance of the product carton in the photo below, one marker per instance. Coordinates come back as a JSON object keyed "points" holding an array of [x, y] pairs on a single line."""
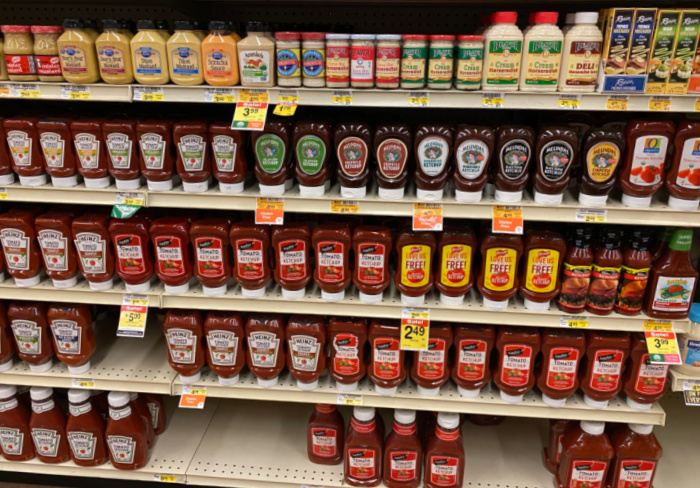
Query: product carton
{"points": [[618, 32], [614, 74], [684, 53], [659, 68], [640, 45]]}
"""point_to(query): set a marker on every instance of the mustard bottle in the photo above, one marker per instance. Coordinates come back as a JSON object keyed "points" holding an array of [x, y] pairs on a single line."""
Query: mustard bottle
{"points": [[114, 54], [149, 55], [220, 56], [185, 55], [76, 49]]}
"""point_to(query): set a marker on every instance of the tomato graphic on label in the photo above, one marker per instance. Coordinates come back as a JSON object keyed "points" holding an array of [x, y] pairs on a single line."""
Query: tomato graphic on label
{"points": [[500, 279]]}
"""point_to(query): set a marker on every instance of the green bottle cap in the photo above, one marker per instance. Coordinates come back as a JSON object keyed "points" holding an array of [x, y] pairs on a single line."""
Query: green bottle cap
{"points": [[681, 240]]}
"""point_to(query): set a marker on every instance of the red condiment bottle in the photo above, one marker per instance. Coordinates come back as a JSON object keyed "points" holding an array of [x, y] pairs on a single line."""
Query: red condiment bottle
{"points": [[636, 265], [576, 273], [184, 335], [586, 456], [212, 262], [601, 156], [444, 454], [606, 353], [644, 382], [134, 257], [171, 241], [291, 244], [20, 246], [539, 277], [473, 150], [156, 406], [471, 367], [225, 337], [683, 176], [642, 171], [362, 465], [57, 147], [403, 453], [392, 151], [122, 148], [562, 351], [7, 177], [386, 368], [85, 430], [413, 276], [95, 253], [53, 230], [125, 433], [272, 150], [48, 427], [251, 253], [14, 423], [156, 155], [139, 406], [312, 151], [456, 249], [7, 348], [193, 159], [605, 274], [372, 245], [672, 280], [430, 368], [346, 362], [433, 148], [332, 244], [514, 148], [353, 148], [306, 356], [32, 336], [498, 276], [90, 152], [517, 350], [552, 452], [73, 338], [637, 454], [556, 150], [325, 435], [229, 165], [266, 351], [23, 140]]}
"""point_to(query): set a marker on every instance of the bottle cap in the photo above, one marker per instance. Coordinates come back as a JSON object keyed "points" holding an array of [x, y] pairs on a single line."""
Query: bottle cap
{"points": [[51, 29], [347, 386], [288, 36], [415, 37], [504, 18], [107, 24], [145, 24], [470, 38], [448, 420], [255, 27], [217, 25], [586, 18], [293, 294], [307, 386], [640, 240], [466, 393], [412, 301], [597, 404], [683, 204], [7, 391], [253, 293], [15, 29], [442, 37], [636, 202], [313, 36], [102, 285], [79, 369], [404, 416], [694, 312], [362, 37], [363, 414], [73, 24], [469, 196], [229, 381], [644, 429], [640, 407], [682, 240], [325, 407], [38, 393], [592, 200], [338, 37], [386, 391], [78, 396], [389, 37], [593, 428], [536, 306], [511, 398], [431, 392], [546, 17], [553, 402], [268, 383], [118, 399]]}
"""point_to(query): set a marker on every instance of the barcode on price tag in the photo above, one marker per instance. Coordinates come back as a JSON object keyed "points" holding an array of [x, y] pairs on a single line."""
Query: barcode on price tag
{"points": [[591, 215], [418, 99], [347, 399], [75, 92], [493, 100], [148, 94], [83, 383], [132, 317], [220, 95]]}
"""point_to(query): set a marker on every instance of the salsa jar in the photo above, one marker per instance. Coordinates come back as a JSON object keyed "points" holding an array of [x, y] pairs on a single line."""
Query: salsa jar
{"points": [[57, 148], [212, 262], [94, 246], [372, 246], [306, 353], [291, 245], [20, 247], [23, 140], [456, 250], [32, 334], [353, 142], [517, 349], [386, 367], [430, 368], [225, 338], [601, 154], [392, 151], [312, 143], [171, 242], [606, 353], [251, 255], [562, 351], [134, 258], [193, 160], [556, 149], [53, 232], [271, 148], [432, 146], [514, 148], [123, 162], [156, 157], [332, 243], [73, 338], [184, 335], [471, 365], [90, 152], [346, 362], [266, 348], [539, 277], [498, 276], [230, 164], [473, 150], [644, 382], [413, 276]]}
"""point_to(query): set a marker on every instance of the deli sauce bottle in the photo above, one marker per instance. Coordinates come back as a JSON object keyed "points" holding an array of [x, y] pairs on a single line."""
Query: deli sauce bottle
{"points": [[272, 151], [392, 150], [601, 154], [312, 145], [473, 150], [514, 147], [557, 152], [353, 148], [683, 177], [433, 147]]}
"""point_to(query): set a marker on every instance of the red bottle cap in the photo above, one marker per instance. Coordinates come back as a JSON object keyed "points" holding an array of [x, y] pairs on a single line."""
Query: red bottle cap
{"points": [[470, 38], [504, 18], [545, 18], [442, 38], [415, 37], [313, 36], [288, 36], [15, 28], [47, 29]]}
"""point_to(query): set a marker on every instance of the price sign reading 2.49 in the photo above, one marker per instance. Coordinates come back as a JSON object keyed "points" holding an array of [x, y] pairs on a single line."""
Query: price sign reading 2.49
{"points": [[415, 329]]}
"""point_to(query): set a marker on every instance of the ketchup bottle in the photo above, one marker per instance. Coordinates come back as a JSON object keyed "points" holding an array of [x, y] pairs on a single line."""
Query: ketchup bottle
{"points": [[229, 165], [226, 343], [456, 249], [332, 244], [291, 244], [85, 430], [473, 151], [413, 276], [171, 241], [48, 426], [430, 368], [94, 246], [312, 143], [386, 368], [643, 381], [637, 454], [517, 348], [562, 351], [134, 258], [23, 141], [183, 331], [126, 434], [156, 406], [193, 160], [325, 436], [392, 151], [683, 177], [90, 152], [514, 148], [558, 428], [606, 353], [372, 245], [432, 146], [403, 452], [57, 147], [539, 277], [306, 356], [251, 249], [122, 147], [156, 153], [266, 350], [32, 336], [212, 266], [272, 150], [498, 277], [7, 342], [444, 454], [586, 456], [14, 423], [601, 154], [73, 337], [353, 146], [346, 363], [471, 368], [362, 465]]}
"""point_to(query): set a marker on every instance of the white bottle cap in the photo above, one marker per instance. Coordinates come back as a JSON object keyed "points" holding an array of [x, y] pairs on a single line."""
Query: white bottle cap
{"points": [[65, 181], [103, 182], [39, 180], [404, 416], [214, 291], [391, 193], [232, 188], [118, 399], [79, 369], [28, 282], [38, 393], [289, 184], [363, 414], [101, 285], [307, 386], [337, 36], [468, 393], [384, 391], [593, 428], [640, 407], [428, 391], [469, 196], [347, 192], [76, 396], [597, 404], [178, 289], [229, 381], [139, 288], [412, 301], [451, 301], [536, 306], [497, 305], [191, 380], [253, 293], [448, 420], [134, 184], [41, 368], [2, 277], [166, 185], [429, 195], [7, 179], [346, 386], [312, 191], [546, 199], [6, 366], [389, 37], [268, 383], [511, 398], [293, 294], [63, 284], [362, 37], [195, 187], [585, 18], [683, 204], [332, 297], [509, 196], [592, 200], [636, 202], [371, 297], [6, 391], [644, 429], [272, 190], [553, 402]]}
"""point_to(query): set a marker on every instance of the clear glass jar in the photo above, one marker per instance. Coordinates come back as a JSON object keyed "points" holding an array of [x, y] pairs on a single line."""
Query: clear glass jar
{"points": [[413, 60], [470, 62], [362, 60], [441, 62], [19, 53], [288, 55], [388, 67], [48, 63], [337, 60], [313, 58]]}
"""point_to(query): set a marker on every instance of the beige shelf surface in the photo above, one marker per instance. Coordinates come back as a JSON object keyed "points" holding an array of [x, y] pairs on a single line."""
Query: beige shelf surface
{"points": [[678, 379], [62, 91], [75, 195]]}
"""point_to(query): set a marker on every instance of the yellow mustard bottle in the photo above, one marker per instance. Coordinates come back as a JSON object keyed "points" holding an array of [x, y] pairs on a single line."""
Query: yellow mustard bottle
{"points": [[149, 55], [76, 48], [185, 55], [114, 54], [220, 56]]}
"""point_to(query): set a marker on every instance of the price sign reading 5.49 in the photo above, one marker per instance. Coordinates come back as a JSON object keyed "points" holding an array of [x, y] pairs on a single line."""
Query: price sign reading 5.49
{"points": [[415, 329], [251, 110]]}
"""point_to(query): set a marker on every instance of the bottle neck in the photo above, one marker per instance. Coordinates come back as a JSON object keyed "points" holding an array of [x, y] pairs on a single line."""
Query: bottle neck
{"points": [[42, 406], [447, 435], [362, 427], [7, 404], [404, 429], [77, 409]]}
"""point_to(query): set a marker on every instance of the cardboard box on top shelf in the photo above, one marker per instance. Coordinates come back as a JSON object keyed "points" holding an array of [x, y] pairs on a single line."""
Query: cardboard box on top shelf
{"points": [[640, 45], [620, 25], [684, 53], [694, 83], [667, 22]]}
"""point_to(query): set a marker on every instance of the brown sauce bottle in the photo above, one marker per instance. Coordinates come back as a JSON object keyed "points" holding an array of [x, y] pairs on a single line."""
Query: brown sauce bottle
{"points": [[557, 152], [353, 143], [392, 150], [312, 145], [433, 147], [473, 149], [514, 152], [600, 159], [272, 153]]}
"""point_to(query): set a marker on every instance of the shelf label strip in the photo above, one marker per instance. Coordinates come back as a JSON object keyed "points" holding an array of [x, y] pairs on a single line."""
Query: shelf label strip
{"points": [[193, 397]]}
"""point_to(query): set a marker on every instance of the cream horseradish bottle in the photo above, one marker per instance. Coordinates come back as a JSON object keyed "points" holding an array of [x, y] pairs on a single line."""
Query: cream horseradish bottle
{"points": [[502, 53], [256, 55], [541, 54]]}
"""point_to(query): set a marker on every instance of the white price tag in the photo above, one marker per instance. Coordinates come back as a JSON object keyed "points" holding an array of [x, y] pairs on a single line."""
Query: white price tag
{"points": [[575, 322], [75, 92], [148, 94], [24, 90], [348, 399], [591, 215], [220, 95]]}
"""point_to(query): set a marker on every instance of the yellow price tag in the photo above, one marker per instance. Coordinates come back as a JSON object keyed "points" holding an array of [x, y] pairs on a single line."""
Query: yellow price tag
{"points": [[341, 98], [617, 102], [658, 325], [132, 316], [661, 342], [347, 399], [493, 100], [29, 94], [415, 329], [165, 478], [591, 216], [570, 102], [255, 96], [224, 98], [4, 195], [418, 99], [79, 95], [251, 110], [286, 104], [577, 324], [662, 104], [152, 97], [134, 201], [691, 385], [83, 383], [697, 104], [345, 206]]}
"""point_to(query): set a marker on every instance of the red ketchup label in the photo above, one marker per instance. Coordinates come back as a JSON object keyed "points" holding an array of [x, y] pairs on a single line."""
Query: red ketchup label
{"points": [[370, 263], [347, 358], [386, 353], [249, 259], [563, 364], [587, 474], [352, 156], [391, 157], [48, 65], [292, 259], [634, 473], [403, 465], [324, 441], [130, 255], [471, 359], [210, 257], [431, 363], [362, 463], [607, 366], [515, 369], [169, 255], [651, 378], [443, 470], [329, 261]]}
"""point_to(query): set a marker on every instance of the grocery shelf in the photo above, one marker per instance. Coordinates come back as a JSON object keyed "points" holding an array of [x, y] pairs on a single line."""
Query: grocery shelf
{"points": [[170, 457], [678, 379], [65, 91], [449, 400], [118, 364], [76, 195]]}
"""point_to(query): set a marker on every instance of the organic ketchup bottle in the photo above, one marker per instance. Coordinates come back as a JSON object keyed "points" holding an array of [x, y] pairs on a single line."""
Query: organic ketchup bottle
{"points": [[586, 456], [444, 454], [134, 258], [85, 430], [456, 249], [683, 176], [413, 276], [403, 452], [346, 363], [606, 353], [430, 368], [514, 148], [473, 150], [576, 273], [636, 265], [48, 427], [644, 382], [372, 246], [291, 244], [362, 455], [325, 435], [183, 330], [602, 291], [226, 344], [306, 356], [171, 241], [14, 422], [539, 277], [517, 348], [433, 149], [266, 349], [332, 244], [32, 336], [125, 433], [637, 454], [212, 262], [562, 351], [471, 368], [498, 277], [193, 160], [386, 368]]}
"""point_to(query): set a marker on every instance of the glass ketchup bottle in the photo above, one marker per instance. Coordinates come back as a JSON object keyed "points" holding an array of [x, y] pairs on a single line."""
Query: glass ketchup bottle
{"points": [[272, 150], [291, 244], [94, 246], [456, 249], [230, 164], [193, 161], [576, 272], [23, 140], [386, 367], [251, 254], [7, 347], [362, 465], [53, 231], [606, 353], [586, 456], [471, 368], [57, 147], [643, 381], [22, 252], [125, 433], [332, 244], [73, 338], [517, 349], [346, 362], [636, 265], [306, 353], [433, 149], [413, 276], [683, 176], [171, 241], [430, 368], [403, 453], [605, 274], [498, 276], [225, 337], [85, 430], [48, 427], [90, 152], [15, 444], [637, 454], [156, 155], [372, 245], [32, 336], [353, 147], [266, 350], [473, 150], [514, 148], [134, 258], [212, 262], [444, 454], [122, 147], [184, 334], [562, 351], [325, 435]]}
